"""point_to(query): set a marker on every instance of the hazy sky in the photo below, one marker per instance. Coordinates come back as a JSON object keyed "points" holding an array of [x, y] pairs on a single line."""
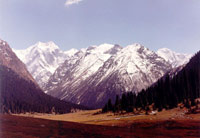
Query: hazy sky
{"points": [[174, 24]]}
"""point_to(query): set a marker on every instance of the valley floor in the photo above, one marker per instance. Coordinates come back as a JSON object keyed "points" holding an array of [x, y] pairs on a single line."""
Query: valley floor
{"points": [[171, 123]]}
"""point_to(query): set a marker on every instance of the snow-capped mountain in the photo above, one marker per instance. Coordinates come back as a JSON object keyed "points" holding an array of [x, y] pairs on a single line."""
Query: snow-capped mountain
{"points": [[81, 66], [100, 72], [42, 59], [19, 92], [92, 75], [175, 59]]}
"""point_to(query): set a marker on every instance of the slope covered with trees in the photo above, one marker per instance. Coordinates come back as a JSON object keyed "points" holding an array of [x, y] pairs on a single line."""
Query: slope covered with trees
{"points": [[166, 93], [18, 95]]}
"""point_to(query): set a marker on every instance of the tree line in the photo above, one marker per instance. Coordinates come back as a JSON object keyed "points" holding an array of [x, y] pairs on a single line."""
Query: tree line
{"points": [[166, 93], [18, 95]]}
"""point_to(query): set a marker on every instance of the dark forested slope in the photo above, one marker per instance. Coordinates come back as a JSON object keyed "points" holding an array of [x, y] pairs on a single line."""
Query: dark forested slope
{"points": [[166, 93], [19, 95]]}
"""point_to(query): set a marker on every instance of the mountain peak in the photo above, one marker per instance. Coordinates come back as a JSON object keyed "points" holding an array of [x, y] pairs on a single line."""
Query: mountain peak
{"points": [[51, 43], [3, 43], [134, 46], [167, 50], [71, 52], [42, 59], [43, 45], [102, 48], [10, 60], [174, 58], [117, 45], [164, 49], [105, 45]]}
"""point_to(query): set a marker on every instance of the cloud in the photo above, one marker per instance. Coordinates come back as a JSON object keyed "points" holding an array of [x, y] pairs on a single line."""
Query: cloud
{"points": [[71, 2]]}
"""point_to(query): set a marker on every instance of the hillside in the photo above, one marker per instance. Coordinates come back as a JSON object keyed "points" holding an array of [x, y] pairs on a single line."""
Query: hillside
{"points": [[10, 60], [166, 93], [19, 92], [19, 95]]}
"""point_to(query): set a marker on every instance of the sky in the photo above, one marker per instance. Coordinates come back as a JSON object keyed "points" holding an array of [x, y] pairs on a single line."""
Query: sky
{"points": [[174, 24]]}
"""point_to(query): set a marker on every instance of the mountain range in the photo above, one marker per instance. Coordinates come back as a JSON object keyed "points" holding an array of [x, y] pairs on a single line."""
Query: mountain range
{"points": [[20, 93], [42, 59], [92, 75], [179, 90]]}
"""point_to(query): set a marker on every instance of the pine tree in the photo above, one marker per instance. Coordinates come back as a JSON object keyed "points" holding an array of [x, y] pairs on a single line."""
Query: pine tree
{"points": [[124, 102], [117, 104], [110, 106]]}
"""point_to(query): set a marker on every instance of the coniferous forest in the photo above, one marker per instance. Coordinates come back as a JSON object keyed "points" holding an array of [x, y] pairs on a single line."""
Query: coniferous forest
{"points": [[18, 95], [166, 93]]}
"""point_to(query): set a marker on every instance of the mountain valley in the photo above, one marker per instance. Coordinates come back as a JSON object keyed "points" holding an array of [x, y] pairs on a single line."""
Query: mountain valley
{"points": [[90, 76]]}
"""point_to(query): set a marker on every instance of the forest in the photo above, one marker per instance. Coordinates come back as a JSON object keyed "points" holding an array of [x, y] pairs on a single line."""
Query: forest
{"points": [[17, 95], [167, 93]]}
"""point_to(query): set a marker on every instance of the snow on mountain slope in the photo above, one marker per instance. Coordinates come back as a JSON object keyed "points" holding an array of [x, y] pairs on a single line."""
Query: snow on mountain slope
{"points": [[81, 66], [71, 52], [132, 68], [42, 59], [92, 75], [176, 59], [132, 61]]}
